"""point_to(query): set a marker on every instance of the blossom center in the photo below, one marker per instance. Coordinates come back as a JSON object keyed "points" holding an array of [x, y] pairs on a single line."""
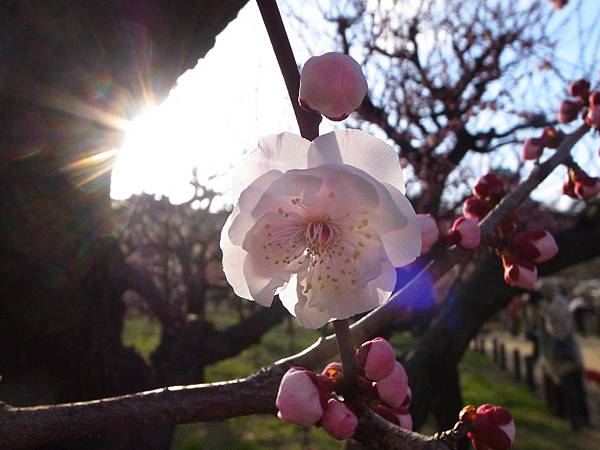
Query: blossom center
{"points": [[319, 235]]}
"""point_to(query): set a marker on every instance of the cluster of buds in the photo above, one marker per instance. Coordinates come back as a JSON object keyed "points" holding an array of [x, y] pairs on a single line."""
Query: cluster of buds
{"points": [[307, 398], [490, 427], [332, 84], [520, 251], [580, 185], [583, 103], [464, 232], [534, 147]]}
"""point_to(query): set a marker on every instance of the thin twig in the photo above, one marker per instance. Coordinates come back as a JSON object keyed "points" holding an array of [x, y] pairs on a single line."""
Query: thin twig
{"points": [[347, 351], [308, 123]]}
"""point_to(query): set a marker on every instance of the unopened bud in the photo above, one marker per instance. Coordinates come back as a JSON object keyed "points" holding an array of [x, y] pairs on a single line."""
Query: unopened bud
{"points": [[465, 233], [332, 84], [338, 420], [476, 208], [430, 232], [377, 357], [579, 88], [568, 111], [494, 428], [518, 272], [489, 187], [532, 149]]}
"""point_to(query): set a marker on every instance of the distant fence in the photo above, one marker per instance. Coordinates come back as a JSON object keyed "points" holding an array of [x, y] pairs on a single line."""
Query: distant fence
{"points": [[523, 370]]}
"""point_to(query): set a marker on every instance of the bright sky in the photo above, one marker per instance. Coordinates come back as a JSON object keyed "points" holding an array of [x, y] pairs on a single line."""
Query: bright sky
{"points": [[228, 101], [218, 110]]}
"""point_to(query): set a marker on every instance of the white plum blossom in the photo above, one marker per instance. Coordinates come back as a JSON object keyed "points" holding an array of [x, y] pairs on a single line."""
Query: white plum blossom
{"points": [[322, 224]]}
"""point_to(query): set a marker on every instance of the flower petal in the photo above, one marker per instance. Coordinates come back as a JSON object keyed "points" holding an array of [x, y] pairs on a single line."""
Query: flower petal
{"points": [[275, 246], [359, 149], [242, 219], [403, 245], [281, 152], [308, 315], [233, 262]]}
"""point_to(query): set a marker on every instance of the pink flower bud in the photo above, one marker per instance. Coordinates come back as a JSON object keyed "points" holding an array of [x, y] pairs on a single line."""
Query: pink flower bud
{"points": [[400, 416], [568, 111], [338, 420], [519, 272], [476, 208], [532, 149], [430, 232], [465, 233], [536, 246], [579, 88], [377, 357], [407, 400], [551, 137], [592, 117], [404, 420], [489, 187], [545, 244], [558, 4], [584, 186], [332, 84], [594, 98], [393, 389], [298, 398], [494, 428], [334, 372]]}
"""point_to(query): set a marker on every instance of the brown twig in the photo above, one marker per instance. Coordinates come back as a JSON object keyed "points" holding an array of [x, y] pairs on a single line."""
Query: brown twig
{"points": [[347, 351], [308, 123]]}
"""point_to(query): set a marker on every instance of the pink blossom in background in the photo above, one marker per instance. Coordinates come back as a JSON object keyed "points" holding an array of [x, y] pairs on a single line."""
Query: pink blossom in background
{"points": [[489, 187], [568, 111], [465, 233], [532, 149], [536, 246], [519, 273], [579, 88], [476, 208], [332, 84], [430, 232]]}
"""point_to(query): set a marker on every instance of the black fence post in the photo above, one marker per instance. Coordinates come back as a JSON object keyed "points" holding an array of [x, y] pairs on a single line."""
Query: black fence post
{"points": [[502, 357], [517, 364]]}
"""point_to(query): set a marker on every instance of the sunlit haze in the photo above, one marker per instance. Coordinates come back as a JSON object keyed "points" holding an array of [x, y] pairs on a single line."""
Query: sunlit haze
{"points": [[218, 110]]}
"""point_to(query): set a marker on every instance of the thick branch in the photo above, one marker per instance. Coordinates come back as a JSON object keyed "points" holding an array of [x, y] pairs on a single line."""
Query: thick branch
{"points": [[240, 336]]}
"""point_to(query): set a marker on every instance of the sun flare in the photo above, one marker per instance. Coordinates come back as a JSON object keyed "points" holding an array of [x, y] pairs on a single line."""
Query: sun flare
{"points": [[216, 112]]}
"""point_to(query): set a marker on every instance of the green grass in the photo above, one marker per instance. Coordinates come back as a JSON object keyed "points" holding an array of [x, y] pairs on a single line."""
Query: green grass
{"points": [[142, 333], [481, 381]]}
